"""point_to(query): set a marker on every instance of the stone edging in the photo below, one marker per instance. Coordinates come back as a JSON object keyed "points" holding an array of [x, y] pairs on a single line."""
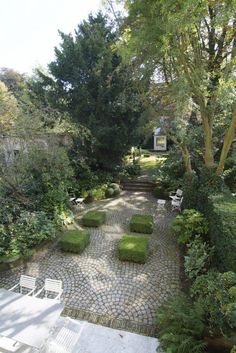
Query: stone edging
{"points": [[108, 321]]}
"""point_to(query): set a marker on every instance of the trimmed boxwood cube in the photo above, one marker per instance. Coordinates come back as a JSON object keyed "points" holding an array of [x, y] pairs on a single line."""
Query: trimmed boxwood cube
{"points": [[94, 218], [74, 241], [141, 224], [133, 248]]}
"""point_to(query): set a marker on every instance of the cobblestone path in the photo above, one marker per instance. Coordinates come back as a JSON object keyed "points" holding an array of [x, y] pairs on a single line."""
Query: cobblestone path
{"points": [[96, 281]]}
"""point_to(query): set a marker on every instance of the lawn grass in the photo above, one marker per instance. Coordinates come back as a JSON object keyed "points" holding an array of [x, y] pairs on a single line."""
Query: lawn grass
{"points": [[150, 164], [133, 248], [94, 218], [141, 224], [74, 241]]}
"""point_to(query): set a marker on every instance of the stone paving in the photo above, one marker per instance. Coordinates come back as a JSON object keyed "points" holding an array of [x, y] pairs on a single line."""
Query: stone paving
{"points": [[97, 281]]}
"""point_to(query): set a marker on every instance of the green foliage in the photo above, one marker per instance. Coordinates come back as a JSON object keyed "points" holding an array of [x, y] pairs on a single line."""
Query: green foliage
{"points": [[89, 82], [198, 257], [222, 220], [133, 248], [215, 293], [189, 223], [112, 190], [230, 171], [109, 192], [63, 218], [8, 108], [182, 327], [170, 171], [141, 224], [74, 241], [96, 193], [160, 192], [94, 218], [132, 170], [28, 231]]}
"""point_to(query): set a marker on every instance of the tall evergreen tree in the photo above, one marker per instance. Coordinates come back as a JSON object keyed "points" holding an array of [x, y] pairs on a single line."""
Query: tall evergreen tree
{"points": [[88, 81]]}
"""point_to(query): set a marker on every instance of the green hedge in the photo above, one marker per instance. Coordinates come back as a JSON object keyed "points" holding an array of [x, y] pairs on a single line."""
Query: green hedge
{"points": [[133, 248], [94, 218], [222, 220], [141, 224], [74, 241]]}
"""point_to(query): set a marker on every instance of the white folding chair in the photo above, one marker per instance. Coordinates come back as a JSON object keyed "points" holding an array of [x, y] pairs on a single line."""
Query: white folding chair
{"points": [[51, 286], [65, 338], [27, 283], [176, 194], [176, 204]]}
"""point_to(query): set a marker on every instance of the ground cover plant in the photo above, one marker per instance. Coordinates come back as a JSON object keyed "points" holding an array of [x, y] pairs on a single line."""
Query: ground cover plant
{"points": [[74, 241], [94, 218], [141, 224], [133, 248]]}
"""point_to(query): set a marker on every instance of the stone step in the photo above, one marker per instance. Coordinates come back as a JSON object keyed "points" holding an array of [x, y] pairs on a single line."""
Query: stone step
{"points": [[138, 185]]}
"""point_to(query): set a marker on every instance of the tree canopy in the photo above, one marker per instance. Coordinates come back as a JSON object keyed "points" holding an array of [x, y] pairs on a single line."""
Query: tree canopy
{"points": [[88, 81], [191, 46]]}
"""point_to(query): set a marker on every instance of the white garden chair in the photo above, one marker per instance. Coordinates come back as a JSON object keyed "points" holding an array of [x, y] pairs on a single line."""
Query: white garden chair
{"points": [[176, 194], [65, 337], [27, 284], [176, 204], [51, 286]]}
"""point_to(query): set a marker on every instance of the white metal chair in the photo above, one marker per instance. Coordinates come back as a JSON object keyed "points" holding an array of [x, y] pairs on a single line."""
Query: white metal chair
{"points": [[176, 194], [176, 204], [65, 338], [27, 284], [51, 286]]}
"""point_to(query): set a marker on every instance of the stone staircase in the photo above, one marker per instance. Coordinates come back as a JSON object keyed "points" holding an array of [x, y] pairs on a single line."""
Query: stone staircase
{"points": [[137, 185]]}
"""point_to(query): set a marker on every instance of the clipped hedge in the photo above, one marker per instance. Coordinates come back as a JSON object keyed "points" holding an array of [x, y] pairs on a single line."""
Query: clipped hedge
{"points": [[222, 220], [141, 224], [74, 241], [133, 248], [94, 218]]}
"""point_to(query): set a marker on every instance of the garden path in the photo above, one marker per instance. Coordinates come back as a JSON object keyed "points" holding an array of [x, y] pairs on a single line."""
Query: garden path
{"points": [[96, 282]]}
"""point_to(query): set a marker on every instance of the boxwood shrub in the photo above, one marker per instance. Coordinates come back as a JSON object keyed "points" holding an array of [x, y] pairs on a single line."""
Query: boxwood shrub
{"points": [[74, 241], [94, 218], [133, 248], [222, 220], [141, 224]]}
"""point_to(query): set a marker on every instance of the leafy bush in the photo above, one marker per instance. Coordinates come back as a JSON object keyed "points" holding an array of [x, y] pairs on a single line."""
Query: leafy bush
{"points": [[222, 220], [133, 248], [113, 190], [29, 230], [141, 224], [188, 224], [171, 171], [64, 218], [160, 192], [198, 257], [109, 192], [229, 173], [133, 170], [182, 327], [216, 293], [94, 218], [74, 241], [96, 193]]}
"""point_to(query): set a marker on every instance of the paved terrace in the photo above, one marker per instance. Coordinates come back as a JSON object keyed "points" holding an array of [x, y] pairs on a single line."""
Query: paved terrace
{"points": [[97, 286]]}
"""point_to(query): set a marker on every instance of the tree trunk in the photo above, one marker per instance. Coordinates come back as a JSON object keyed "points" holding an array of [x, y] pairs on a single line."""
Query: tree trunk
{"points": [[208, 154], [228, 139], [187, 159]]}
